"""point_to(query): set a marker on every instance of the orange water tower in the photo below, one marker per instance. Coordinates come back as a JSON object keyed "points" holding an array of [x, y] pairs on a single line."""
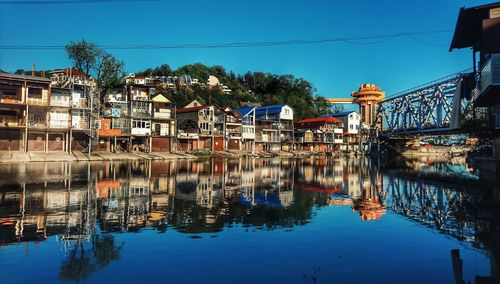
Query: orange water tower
{"points": [[367, 97]]}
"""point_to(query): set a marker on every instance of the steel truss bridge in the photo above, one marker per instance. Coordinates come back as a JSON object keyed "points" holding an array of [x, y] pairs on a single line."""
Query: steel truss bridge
{"points": [[441, 106]]}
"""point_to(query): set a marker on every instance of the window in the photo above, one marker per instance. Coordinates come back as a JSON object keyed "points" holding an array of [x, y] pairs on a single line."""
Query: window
{"points": [[496, 113], [141, 124], [350, 126], [35, 93]]}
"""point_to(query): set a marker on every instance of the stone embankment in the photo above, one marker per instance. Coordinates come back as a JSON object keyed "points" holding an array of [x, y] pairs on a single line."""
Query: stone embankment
{"points": [[77, 156]]}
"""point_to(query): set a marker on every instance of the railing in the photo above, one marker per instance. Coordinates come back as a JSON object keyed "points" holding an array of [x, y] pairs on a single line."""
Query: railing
{"points": [[81, 125], [234, 121], [163, 115], [490, 73], [6, 120], [187, 135], [81, 103], [143, 114], [141, 131], [37, 123], [38, 102], [59, 103], [11, 100], [59, 123], [266, 138]]}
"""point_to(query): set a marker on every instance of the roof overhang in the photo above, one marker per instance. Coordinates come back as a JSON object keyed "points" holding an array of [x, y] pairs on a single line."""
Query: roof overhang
{"points": [[474, 28]]}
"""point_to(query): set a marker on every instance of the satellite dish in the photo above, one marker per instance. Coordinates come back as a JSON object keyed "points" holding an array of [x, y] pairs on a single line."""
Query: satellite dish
{"points": [[132, 75]]}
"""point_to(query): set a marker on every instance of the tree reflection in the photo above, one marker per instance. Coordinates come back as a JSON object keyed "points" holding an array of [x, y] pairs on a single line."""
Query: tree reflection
{"points": [[82, 262]]}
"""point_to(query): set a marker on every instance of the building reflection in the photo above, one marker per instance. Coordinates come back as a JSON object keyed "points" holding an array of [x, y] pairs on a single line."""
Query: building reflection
{"points": [[355, 183], [74, 201]]}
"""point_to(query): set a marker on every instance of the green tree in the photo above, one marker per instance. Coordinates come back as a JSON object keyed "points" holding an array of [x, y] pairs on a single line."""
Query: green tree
{"points": [[90, 59], [110, 71], [83, 54]]}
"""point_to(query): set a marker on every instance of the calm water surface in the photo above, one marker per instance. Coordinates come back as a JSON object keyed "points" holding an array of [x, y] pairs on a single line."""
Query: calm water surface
{"points": [[315, 220]]}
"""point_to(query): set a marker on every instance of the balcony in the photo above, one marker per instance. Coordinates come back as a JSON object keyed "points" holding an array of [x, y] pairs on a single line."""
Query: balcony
{"points": [[38, 101], [59, 103], [234, 134], [141, 131], [79, 103], [37, 122], [490, 73], [11, 96], [162, 114], [187, 135], [80, 123], [59, 123], [11, 121]]}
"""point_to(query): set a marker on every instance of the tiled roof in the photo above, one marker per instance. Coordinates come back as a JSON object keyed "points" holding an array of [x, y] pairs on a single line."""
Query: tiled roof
{"points": [[191, 109], [316, 122]]}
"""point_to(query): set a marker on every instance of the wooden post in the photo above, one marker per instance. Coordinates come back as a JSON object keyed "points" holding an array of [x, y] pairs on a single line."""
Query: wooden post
{"points": [[70, 146]]}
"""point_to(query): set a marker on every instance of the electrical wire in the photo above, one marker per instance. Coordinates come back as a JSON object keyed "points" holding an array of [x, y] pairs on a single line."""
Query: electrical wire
{"points": [[51, 2], [360, 40]]}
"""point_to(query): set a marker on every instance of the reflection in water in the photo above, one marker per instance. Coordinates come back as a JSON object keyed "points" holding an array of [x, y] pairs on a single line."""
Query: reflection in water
{"points": [[82, 203]]}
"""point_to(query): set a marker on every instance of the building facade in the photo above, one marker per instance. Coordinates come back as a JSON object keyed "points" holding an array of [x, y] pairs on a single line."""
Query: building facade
{"points": [[322, 134], [274, 128]]}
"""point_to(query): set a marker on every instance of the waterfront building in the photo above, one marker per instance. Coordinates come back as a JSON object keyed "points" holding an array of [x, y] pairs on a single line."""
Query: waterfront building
{"points": [[14, 91], [479, 28], [163, 124], [248, 123], [141, 109], [233, 129], [114, 130], [210, 121], [41, 114], [352, 125], [274, 128], [321, 134]]}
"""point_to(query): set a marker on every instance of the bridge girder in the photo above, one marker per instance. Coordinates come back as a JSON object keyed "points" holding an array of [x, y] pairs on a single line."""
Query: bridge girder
{"points": [[430, 108]]}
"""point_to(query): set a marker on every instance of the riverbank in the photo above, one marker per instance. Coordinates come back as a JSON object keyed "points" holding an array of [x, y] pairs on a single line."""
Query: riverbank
{"points": [[437, 151], [77, 156]]}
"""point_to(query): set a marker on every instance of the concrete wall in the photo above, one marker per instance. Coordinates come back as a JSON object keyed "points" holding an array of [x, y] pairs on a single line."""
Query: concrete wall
{"points": [[160, 144], [36, 141], [234, 144], [10, 139], [218, 143], [56, 142]]}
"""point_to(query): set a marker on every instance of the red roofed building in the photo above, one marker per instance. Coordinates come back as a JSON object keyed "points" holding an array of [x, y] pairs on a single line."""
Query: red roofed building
{"points": [[200, 127], [319, 134]]}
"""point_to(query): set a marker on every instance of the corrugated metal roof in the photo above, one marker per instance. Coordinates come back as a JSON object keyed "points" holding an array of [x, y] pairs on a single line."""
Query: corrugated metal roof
{"points": [[272, 109], [245, 110], [340, 114], [23, 77], [469, 26]]}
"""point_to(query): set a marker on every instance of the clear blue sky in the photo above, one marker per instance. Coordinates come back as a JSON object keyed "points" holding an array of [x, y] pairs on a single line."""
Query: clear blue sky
{"points": [[335, 69]]}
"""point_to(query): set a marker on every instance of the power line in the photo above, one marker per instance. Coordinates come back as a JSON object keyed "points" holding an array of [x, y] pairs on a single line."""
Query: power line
{"points": [[52, 2], [360, 40]]}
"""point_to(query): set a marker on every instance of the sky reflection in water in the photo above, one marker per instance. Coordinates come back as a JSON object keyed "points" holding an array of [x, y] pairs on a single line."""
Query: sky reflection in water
{"points": [[246, 221]]}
